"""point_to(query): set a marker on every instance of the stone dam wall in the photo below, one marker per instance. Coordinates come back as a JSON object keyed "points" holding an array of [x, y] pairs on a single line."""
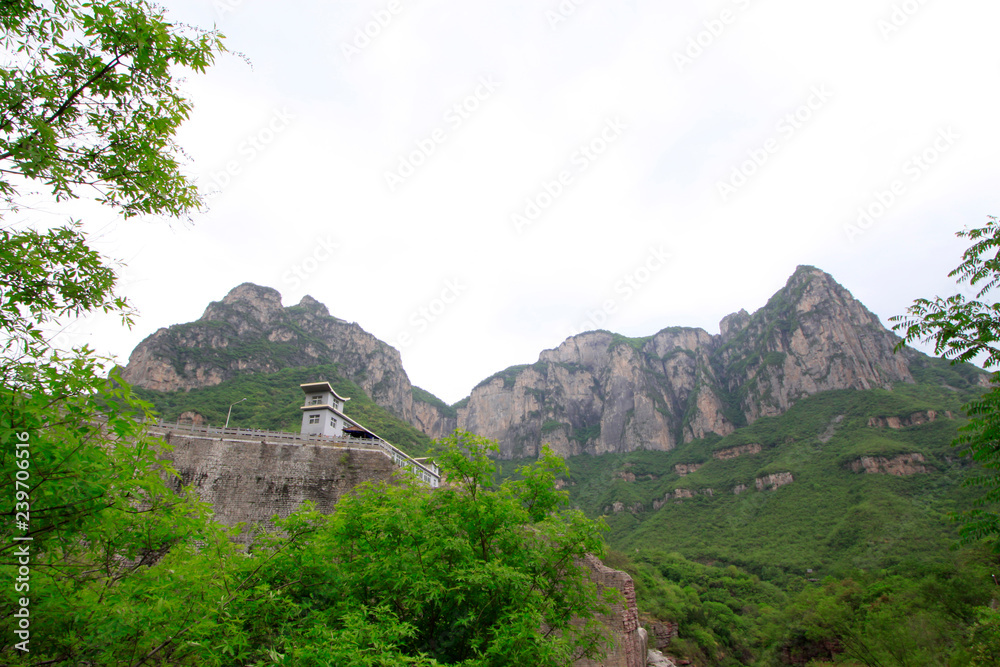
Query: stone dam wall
{"points": [[252, 480]]}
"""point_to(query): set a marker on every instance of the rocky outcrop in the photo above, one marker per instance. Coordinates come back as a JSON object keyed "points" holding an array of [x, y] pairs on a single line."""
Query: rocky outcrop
{"points": [[684, 469], [250, 331], [734, 452], [434, 420], [628, 639], [681, 494], [772, 482], [901, 466], [656, 659], [192, 417], [811, 336], [914, 419], [618, 507], [661, 633], [599, 392]]}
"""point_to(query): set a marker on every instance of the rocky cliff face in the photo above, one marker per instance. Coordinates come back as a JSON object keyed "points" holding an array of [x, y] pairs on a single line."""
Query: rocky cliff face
{"points": [[600, 392], [628, 640], [434, 420], [811, 336], [597, 392], [250, 331]]}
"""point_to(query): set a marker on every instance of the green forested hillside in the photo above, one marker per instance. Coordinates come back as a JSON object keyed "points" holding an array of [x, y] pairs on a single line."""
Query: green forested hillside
{"points": [[835, 565], [829, 518], [273, 402]]}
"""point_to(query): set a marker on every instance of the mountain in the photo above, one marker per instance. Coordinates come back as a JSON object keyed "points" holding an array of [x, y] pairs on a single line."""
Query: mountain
{"points": [[598, 392], [601, 392], [250, 332], [740, 474]]}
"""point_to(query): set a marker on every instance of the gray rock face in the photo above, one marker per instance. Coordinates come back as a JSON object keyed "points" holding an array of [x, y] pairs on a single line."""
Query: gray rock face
{"points": [[249, 330], [432, 420], [811, 336], [599, 392], [629, 643], [902, 465]]}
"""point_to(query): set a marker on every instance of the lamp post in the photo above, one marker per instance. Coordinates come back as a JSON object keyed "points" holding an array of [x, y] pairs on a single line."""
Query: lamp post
{"points": [[231, 412]]}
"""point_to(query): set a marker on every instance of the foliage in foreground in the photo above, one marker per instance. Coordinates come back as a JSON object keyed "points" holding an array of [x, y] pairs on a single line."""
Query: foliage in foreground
{"points": [[474, 574], [964, 330]]}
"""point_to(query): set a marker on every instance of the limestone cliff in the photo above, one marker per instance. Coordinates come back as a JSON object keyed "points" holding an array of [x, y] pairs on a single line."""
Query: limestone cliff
{"points": [[601, 392], [811, 336], [250, 331], [431, 415], [597, 392]]}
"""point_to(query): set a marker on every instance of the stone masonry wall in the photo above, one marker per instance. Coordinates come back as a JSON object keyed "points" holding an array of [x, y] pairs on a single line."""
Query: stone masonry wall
{"points": [[251, 481], [628, 638]]}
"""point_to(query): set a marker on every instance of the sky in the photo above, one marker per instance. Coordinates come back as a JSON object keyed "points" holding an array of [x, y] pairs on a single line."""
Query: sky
{"points": [[474, 182]]}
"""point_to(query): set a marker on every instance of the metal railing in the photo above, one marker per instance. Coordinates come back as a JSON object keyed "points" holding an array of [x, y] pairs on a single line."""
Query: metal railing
{"points": [[429, 474]]}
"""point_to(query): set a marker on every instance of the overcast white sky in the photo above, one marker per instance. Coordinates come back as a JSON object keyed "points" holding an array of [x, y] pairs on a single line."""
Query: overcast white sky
{"points": [[820, 108]]}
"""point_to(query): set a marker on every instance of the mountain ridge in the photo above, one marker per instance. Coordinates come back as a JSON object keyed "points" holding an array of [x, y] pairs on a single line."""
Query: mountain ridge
{"points": [[596, 392], [683, 383]]}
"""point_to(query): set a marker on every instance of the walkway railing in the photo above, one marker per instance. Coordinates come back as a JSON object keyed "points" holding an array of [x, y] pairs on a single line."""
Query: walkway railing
{"points": [[427, 473]]}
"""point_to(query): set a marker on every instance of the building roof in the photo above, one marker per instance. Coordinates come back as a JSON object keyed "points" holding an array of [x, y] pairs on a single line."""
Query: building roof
{"points": [[321, 387]]}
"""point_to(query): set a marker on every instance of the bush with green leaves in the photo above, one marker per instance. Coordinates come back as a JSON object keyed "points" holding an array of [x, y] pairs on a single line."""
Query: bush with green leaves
{"points": [[964, 329], [475, 573]]}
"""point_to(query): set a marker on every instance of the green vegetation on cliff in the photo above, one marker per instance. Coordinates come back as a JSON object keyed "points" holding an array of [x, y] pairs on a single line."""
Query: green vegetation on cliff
{"points": [[273, 402], [776, 546], [825, 516]]}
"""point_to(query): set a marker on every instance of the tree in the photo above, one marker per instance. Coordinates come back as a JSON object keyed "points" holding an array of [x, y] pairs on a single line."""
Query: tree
{"points": [[962, 330], [88, 102], [475, 573], [88, 108]]}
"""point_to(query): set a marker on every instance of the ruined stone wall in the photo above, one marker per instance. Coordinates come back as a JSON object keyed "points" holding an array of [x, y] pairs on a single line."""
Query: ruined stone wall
{"points": [[247, 480], [628, 638]]}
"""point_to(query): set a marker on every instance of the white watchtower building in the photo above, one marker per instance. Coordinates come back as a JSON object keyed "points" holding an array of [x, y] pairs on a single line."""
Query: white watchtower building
{"points": [[323, 412]]}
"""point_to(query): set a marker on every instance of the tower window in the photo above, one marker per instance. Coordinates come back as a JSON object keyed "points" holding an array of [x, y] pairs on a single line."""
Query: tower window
{"points": [[313, 419]]}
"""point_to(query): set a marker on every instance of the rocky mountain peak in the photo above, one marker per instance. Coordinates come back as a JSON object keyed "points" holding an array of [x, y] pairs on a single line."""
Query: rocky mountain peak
{"points": [[601, 392], [813, 288], [313, 307], [247, 302], [249, 331], [733, 323]]}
